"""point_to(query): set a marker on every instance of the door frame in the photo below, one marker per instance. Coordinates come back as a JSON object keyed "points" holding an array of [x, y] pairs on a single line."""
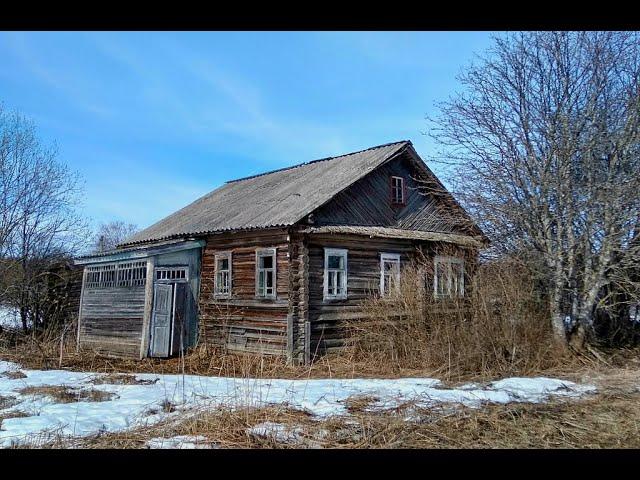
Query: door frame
{"points": [[166, 280]]}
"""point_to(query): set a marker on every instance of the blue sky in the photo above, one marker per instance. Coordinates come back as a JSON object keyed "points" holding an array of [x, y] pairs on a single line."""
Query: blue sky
{"points": [[154, 120]]}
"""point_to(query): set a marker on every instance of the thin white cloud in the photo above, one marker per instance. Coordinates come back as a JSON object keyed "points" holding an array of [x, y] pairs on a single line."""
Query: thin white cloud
{"points": [[50, 72]]}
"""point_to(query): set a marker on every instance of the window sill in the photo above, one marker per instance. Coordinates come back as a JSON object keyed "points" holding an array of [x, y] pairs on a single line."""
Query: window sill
{"points": [[332, 299], [222, 296]]}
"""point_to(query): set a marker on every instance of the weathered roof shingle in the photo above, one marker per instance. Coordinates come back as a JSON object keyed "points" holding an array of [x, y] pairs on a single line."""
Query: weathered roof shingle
{"points": [[272, 199]]}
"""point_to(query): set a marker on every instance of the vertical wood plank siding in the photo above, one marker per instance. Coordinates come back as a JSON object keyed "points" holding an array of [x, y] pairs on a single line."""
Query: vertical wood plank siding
{"points": [[244, 322], [367, 203], [111, 320]]}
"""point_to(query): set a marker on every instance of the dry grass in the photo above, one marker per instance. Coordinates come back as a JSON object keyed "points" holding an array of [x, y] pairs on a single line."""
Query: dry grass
{"points": [[601, 421], [224, 428], [500, 329], [13, 375], [121, 379], [352, 363], [62, 394], [6, 402], [359, 403]]}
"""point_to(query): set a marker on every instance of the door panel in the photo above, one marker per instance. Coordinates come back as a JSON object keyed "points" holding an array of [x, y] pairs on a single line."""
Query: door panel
{"points": [[161, 324], [179, 336]]}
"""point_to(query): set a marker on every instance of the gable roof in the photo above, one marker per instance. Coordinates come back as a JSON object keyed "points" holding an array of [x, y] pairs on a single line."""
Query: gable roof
{"points": [[274, 199]]}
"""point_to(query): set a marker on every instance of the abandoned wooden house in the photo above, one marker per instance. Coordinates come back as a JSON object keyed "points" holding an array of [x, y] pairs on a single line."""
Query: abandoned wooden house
{"points": [[276, 262]]}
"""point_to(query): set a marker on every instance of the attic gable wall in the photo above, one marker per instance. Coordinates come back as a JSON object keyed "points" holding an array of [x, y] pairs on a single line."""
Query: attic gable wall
{"points": [[368, 203]]}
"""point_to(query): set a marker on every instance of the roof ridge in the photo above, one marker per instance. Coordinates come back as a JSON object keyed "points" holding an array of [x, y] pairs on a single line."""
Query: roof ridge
{"points": [[316, 161]]}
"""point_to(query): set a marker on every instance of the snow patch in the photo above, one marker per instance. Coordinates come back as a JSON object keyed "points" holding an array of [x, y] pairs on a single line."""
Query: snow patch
{"points": [[9, 317], [180, 442], [140, 404], [277, 431]]}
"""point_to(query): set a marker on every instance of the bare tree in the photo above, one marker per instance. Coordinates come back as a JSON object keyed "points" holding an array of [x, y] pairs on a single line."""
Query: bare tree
{"points": [[109, 235], [544, 144], [39, 224]]}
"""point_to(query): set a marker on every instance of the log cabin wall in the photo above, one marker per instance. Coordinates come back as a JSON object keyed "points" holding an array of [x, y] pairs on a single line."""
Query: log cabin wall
{"points": [[244, 322], [327, 317], [298, 326]]}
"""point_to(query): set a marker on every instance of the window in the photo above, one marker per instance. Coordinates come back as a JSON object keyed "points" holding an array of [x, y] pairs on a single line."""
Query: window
{"points": [[448, 279], [389, 272], [123, 274], [335, 273], [172, 274], [222, 282], [266, 273], [397, 190]]}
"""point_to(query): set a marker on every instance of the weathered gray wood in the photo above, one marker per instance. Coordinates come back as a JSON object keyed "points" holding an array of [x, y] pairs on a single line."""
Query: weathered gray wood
{"points": [[178, 335], [84, 279], [161, 320], [148, 307]]}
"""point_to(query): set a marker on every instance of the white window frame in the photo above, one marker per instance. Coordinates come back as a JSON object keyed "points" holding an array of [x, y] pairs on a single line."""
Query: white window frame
{"points": [[335, 252], [266, 252], [393, 190], [117, 275], [216, 290], [438, 262], [388, 257], [171, 274]]}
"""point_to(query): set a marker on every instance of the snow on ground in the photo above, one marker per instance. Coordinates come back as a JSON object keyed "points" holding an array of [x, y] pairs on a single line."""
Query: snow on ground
{"points": [[277, 431], [180, 442], [9, 317], [143, 404]]}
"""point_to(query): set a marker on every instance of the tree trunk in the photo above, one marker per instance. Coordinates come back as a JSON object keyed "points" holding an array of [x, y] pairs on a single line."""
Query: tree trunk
{"points": [[23, 318], [558, 325], [557, 322]]}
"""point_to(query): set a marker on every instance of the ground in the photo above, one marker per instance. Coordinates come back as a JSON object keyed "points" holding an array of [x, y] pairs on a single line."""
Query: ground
{"points": [[62, 408]]}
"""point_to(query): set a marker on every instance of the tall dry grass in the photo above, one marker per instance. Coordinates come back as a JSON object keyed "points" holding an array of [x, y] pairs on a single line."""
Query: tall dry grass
{"points": [[500, 327]]}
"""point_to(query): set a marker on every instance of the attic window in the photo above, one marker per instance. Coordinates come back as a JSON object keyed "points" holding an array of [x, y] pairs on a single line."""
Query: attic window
{"points": [[397, 190]]}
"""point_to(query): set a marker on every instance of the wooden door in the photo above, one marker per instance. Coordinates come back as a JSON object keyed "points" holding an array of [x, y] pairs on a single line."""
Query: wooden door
{"points": [[179, 332], [161, 320]]}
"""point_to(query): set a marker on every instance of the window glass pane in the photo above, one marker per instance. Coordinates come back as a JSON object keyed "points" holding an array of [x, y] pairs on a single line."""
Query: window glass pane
{"points": [[269, 279], [266, 262], [223, 264], [336, 262]]}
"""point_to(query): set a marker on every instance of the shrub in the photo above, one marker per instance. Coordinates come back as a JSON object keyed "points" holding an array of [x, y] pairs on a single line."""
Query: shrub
{"points": [[500, 327]]}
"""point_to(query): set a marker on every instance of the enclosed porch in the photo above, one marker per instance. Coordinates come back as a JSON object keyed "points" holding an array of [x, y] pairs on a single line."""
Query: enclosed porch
{"points": [[142, 301]]}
